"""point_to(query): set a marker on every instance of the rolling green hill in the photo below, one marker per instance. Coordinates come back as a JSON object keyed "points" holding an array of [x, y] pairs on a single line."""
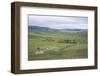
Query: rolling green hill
{"points": [[48, 44]]}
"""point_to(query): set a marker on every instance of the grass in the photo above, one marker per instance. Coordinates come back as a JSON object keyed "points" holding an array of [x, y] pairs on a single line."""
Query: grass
{"points": [[55, 45]]}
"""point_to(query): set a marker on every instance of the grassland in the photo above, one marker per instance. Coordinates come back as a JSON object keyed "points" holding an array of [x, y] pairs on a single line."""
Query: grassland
{"points": [[57, 45]]}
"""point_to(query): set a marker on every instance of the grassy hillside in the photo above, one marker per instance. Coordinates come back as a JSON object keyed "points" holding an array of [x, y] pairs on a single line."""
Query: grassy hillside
{"points": [[57, 45]]}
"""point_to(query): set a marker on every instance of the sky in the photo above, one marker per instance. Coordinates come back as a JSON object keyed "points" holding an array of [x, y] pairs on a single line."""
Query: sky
{"points": [[58, 22]]}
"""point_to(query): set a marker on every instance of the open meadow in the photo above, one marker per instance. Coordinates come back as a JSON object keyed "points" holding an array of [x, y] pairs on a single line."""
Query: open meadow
{"points": [[57, 45]]}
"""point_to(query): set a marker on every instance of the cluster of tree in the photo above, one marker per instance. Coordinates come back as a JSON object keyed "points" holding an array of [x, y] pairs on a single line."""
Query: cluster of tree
{"points": [[68, 41]]}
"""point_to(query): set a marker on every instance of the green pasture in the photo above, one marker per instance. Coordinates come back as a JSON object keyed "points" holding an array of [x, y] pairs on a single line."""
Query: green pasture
{"points": [[57, 45]]}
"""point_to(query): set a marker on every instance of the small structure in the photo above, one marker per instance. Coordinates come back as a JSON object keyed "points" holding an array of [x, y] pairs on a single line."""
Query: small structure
{"points": [[39, 52]]}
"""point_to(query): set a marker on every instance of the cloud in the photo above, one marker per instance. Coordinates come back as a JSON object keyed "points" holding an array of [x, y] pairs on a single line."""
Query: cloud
{"points": [[58, 22]]}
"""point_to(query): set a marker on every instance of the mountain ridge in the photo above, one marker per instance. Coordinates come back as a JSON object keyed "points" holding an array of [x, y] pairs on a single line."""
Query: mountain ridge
{"points": [[47, 29]]}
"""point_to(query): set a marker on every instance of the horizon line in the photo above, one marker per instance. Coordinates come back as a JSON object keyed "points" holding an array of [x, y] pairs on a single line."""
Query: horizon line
{"points": [[56, 28]]}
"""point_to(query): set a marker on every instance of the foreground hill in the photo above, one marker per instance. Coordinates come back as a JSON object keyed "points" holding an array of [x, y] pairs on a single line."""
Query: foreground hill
{"points": [[47, 44]]}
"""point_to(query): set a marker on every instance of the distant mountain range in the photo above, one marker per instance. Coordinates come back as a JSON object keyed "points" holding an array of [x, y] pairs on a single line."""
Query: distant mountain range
{"points": [[46, 29]]}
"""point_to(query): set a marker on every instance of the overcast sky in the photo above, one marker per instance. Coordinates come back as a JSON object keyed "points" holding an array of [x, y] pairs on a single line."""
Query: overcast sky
{"points": [[58, 22]]}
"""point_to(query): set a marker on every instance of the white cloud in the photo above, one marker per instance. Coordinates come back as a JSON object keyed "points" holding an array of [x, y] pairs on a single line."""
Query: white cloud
{"points": [[58, 22]]}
